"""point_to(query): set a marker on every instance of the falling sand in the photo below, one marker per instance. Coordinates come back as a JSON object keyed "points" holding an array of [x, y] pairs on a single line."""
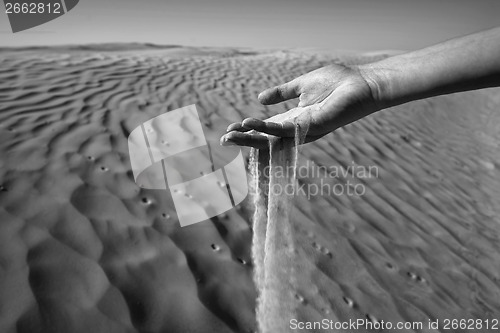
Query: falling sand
{"points": [[273, 249]]}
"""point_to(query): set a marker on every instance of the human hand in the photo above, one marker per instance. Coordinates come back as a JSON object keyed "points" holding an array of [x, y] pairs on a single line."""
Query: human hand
{"points": [[329, 97]]}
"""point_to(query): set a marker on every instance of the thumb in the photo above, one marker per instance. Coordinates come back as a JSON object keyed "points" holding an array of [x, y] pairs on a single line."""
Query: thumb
{"points": [[280, 93]]}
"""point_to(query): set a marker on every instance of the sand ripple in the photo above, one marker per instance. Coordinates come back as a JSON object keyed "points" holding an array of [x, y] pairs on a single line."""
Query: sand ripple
{"points": [[84, 249]]}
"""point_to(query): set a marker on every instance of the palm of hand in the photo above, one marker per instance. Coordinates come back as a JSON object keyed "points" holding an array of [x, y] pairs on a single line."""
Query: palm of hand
{"points": [[329, 97]]}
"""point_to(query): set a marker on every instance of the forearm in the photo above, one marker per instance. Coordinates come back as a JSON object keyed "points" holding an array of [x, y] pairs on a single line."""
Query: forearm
{"points": [[466, 63]]}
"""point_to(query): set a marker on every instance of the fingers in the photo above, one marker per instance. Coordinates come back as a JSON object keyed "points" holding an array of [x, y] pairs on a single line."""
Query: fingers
{"points": [[236, 138], [254, 140], [279, 93], [285, 129], [237, 127]]}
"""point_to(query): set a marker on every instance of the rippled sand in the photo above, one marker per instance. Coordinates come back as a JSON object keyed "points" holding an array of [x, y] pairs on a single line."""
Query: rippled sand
{"points": [[84, 249]]}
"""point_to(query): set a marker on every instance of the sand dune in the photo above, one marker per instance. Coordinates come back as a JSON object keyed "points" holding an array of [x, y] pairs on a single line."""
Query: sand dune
{"points": [[84, 249]]}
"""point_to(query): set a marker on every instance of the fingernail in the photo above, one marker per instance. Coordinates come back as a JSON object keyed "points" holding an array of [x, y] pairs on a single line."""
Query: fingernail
{"points": [[225, 142]]}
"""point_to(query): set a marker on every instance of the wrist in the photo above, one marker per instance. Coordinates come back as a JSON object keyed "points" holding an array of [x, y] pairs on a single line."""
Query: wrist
{"points": [[378, 81]]}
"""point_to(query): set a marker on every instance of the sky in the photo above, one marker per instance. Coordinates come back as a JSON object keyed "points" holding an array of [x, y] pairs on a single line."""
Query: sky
{"points": [[364, 25]]}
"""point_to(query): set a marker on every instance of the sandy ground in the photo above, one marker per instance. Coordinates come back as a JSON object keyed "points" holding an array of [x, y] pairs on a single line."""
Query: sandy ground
{"points": [[84, 249]]}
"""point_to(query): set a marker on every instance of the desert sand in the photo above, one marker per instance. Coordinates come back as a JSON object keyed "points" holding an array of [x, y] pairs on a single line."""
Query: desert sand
{"points": [[84, 249]]}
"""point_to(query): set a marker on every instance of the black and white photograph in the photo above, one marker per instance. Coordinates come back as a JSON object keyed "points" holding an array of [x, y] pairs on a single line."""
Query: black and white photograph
{"points": [[264, 166]]}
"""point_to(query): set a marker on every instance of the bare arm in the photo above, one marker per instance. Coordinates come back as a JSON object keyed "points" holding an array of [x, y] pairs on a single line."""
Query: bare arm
{"points": [[465, 63], [336, 95]]}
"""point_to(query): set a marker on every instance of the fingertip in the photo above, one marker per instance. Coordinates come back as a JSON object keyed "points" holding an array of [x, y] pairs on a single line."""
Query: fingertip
{"points": [[263, 97], [246, 139], [223, 140], [226, 141], [252, 123], [273, 95], [238, 127], [233, 127], [229, 136]]}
